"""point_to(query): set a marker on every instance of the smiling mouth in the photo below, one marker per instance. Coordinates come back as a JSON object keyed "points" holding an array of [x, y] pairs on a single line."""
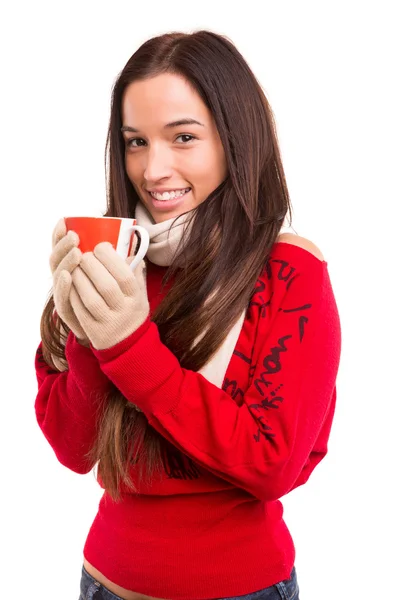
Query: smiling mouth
{"points": [[173, 195]]}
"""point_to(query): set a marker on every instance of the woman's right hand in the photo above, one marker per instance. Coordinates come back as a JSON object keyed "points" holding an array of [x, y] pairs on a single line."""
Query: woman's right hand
{"points": [[65, 256]]}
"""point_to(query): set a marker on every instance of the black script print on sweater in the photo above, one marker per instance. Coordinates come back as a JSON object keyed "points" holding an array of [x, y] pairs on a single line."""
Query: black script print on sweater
{"points": [[258, 300], [271, 392], [177, 465], [272, 399], [41, 361], [285, 273], [230, 386]]}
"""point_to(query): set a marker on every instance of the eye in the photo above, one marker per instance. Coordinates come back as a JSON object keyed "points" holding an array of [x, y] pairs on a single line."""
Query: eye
{"points": [[186, 135], [130, 143], [140, 142]]}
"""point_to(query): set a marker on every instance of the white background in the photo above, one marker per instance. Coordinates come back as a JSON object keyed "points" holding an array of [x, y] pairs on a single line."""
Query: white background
{"points": [[330, 71]]}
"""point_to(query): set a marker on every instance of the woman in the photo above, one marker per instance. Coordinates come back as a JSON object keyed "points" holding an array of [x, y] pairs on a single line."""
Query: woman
{"points": [[206, 390]]}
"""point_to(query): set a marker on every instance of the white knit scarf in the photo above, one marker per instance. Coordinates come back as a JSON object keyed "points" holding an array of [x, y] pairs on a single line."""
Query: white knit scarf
{"points": [[164, 240]]}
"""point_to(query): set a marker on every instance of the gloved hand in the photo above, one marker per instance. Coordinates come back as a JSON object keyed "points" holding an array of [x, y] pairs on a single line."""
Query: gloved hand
{"points": [[109, 299], [65, 257]]}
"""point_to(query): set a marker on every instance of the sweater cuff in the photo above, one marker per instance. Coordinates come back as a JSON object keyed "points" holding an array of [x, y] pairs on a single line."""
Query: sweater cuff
{"points": [[109, 353], [140, 366], [84, 366]]}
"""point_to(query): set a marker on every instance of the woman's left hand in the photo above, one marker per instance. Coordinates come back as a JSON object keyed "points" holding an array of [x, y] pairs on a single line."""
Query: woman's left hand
{"points": [[108, 298]]}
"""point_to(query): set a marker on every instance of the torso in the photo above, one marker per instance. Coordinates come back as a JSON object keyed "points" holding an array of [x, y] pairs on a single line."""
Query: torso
{"points": [[113, 587], [129, 594]]}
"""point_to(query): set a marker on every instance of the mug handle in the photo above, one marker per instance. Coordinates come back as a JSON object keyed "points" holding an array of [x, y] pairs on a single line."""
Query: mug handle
{"points": [[144, 245]]}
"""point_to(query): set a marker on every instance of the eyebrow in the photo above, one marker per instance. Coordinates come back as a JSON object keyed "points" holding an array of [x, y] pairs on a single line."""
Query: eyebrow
{"points": [[167, 126]]}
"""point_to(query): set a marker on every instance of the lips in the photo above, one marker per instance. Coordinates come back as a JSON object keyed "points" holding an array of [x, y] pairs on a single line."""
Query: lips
{"points": [[168, 194], [168, 203]]}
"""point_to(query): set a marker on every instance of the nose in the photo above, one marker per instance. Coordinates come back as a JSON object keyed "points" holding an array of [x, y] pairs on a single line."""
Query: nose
{"points": [[158, 164]]}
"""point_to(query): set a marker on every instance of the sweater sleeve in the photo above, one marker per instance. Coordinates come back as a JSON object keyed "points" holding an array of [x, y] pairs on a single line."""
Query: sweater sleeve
{"points": [[268, 444], [67, 403]]}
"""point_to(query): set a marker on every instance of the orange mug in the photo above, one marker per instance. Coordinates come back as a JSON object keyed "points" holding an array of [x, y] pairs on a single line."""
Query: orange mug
{"points": [[118, 231]]}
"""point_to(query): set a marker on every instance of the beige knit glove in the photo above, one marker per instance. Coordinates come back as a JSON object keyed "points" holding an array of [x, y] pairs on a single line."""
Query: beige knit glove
{"points": [[109, 299], [64, 258]]}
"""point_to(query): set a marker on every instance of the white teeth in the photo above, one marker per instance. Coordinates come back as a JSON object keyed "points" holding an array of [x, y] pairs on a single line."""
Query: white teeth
{"points": [[170, 195]]}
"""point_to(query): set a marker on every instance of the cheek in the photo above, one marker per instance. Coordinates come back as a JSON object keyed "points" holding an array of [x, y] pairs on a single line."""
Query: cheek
{"points": [[211, 170], [202, 165]]}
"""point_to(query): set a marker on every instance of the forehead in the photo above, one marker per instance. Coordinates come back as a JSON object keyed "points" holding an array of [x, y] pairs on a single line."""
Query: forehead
{"points": [[161, 99]]}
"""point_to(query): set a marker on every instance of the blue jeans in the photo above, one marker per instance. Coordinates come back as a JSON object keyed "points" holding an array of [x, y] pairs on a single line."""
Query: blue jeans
{"points": [[284, 590]]}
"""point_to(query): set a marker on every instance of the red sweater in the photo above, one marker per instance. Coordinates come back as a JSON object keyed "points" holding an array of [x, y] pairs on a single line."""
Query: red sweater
{"points": [[213, 526]]}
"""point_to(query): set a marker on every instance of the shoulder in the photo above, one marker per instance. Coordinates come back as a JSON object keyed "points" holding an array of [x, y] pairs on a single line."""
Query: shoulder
{"points": [[297, 240]]}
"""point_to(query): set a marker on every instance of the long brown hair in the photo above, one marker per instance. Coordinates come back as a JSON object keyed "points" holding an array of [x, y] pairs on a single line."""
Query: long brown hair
{"points": [[231, 235]]}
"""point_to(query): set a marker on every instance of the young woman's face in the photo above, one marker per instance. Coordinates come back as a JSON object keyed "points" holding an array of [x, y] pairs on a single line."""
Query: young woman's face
{"points": [[173, 162]]}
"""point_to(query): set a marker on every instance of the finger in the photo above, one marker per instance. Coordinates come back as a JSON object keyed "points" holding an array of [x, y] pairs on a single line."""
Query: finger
{"points": [[140, 270], [80, 310], [102, 280], [117, 266], [89, 296], [61, 293], [68, 263], [63, 305], [60, 230], [139, 273], [62, 248]]}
